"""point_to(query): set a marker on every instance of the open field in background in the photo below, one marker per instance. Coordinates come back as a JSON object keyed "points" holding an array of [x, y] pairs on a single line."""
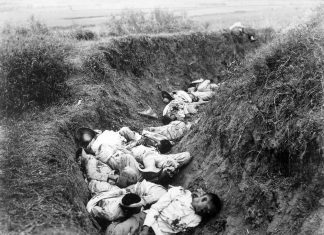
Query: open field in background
{"points": [[218, 13], [259, 145]]}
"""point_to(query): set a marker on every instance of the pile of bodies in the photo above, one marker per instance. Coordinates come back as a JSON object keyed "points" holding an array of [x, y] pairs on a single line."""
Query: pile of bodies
{"points": [[125, 172], [181, 104]]}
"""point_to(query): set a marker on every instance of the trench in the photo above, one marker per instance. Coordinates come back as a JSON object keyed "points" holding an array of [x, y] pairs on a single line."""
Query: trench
{"points": [[123, 76], [145, 65]]}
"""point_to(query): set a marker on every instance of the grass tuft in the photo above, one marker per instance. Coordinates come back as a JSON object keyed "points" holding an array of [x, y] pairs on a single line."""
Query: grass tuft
{"points": [[157, 21], [33, 67], [84, 34]]}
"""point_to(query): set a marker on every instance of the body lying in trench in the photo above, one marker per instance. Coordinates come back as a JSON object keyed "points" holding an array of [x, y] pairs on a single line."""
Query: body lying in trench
{"points": [[125, 172]]}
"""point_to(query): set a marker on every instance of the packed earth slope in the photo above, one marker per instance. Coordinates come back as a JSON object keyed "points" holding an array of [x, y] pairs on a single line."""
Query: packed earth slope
{"points": [[259, 144], [44, 189]]}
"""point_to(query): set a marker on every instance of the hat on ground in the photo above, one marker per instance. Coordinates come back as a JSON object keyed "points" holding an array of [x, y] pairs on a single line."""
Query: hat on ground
{"points": [[131, 201], [84, 130]]}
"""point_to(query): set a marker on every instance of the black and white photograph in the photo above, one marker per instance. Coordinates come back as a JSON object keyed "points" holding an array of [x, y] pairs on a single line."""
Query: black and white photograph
{"points": [[161, 117]]}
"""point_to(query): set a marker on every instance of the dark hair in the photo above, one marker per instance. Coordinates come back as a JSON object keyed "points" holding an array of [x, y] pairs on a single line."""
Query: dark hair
{"points": [[191, 85], [164, 179], [165, 146], [217, 205], [166, 95], [195, 99], [249, 32], [166, 120], [130, 199]]}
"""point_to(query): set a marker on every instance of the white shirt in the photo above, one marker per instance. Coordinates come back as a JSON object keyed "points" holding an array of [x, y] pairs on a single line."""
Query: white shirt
{"points": [[97, 170], [140, 151], [173, 213], [149, 192], [175, 130], [110, 138], [107, 204], [183, 96], [106, 144], [177, 108]]}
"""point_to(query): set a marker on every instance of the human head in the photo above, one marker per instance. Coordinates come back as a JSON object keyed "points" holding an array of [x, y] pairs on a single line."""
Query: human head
{"points": [[170, 171], [250, 33], [206, 205], [84, 136], [192, 89], [127, 176], [193, 97], [166, 100], [164, 178], [131, 204], [164, 146], [167, 97], [166, 120]]}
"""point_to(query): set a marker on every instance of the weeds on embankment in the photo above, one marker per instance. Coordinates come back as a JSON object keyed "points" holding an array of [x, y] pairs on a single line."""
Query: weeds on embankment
{"points": [[33, 67], [157, 21], [260, 142], [33, 58]]}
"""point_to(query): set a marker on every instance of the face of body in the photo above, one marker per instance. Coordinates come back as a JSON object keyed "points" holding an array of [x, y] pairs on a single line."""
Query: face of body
{"points": [[202, 203], [128, 176], [192, 89], [173, 117], [166, 100], [169, 171], [86, 137]]}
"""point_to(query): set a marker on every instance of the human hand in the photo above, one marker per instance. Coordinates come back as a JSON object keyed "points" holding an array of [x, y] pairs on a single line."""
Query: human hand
{"points": [[145, 231]]}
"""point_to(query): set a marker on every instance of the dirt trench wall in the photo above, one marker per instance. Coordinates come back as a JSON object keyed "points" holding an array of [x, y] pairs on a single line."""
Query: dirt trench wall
{"points": [[173, 57], [119, 78], [259, 143]]}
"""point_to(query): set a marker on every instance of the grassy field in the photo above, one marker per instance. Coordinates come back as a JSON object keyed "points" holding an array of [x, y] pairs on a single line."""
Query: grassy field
{"points": [[217, 13]]}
